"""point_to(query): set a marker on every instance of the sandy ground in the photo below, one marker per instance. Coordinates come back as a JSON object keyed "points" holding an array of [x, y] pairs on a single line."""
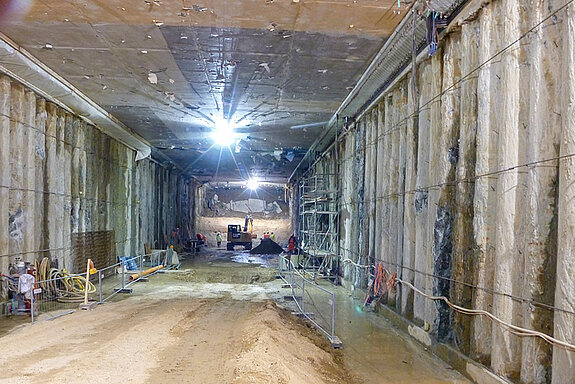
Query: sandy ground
{"points": [[191, 340], [214, 321]]}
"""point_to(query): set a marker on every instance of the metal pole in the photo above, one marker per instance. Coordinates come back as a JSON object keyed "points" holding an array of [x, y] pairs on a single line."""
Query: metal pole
{"points": [[100, 287], [141, 265], [32, 303], [333, 315], [123, 274], [303, 296], [292, 282]]}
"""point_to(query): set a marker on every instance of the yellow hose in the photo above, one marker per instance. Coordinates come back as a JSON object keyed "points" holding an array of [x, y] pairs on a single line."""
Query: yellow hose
{"points": [[60, 285]]}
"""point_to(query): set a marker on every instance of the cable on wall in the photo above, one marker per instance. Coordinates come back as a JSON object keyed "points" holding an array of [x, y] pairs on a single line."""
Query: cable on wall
{"points": [[514, 329], [472, 286], [453, 86], [452, 183]]}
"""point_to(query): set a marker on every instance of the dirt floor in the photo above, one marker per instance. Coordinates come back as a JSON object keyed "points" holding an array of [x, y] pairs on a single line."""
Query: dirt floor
{"points": [[217, 320]]}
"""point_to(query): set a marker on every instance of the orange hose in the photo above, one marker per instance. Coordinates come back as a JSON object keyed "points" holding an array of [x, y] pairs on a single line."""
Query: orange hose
{"points": [[146, 272], [377, 286], [379, 279]]}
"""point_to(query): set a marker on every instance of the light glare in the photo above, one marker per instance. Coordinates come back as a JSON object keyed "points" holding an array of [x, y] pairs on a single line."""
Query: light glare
{"points": [[253, 184], [223, 134]]}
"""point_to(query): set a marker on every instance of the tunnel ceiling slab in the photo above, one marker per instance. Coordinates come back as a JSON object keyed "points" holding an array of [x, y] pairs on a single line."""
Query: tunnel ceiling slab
{"points": [[171, 71]]}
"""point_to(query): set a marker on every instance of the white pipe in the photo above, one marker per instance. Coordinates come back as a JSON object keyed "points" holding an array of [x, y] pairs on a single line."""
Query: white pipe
{"points": [[21, 65]]}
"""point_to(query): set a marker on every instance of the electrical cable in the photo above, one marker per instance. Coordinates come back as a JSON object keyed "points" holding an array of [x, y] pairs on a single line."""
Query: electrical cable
{"points": [[60, 285], [375, 288], [403, 121], [519, 331], [425, 105], [10, 283], [472, 286], [455, 182], [82, 197], [512, 328], [36, 251], [354, 263], [67, 249]]}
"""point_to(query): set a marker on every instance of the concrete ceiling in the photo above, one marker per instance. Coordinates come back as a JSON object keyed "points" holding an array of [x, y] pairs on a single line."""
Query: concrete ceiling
{"points": [[171, 70]]}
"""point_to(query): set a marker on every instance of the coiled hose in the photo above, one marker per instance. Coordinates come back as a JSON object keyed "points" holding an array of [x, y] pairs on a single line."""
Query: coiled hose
{"points": [[60, 285]]}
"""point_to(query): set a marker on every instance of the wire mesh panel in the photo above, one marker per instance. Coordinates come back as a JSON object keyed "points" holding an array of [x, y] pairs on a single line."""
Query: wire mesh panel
{"points": [[57, 292], [113, 279], [314, 302], [62, 294], [97, 246], [122, 275]]}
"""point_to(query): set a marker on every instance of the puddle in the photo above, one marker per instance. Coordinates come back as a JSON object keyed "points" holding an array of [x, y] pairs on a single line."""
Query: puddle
{"points": [[268, 261]]}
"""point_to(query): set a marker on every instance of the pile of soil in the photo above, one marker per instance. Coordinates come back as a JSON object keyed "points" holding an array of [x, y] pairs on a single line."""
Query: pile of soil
{"points": [[276, 348], [267, 247], [186, 341]]}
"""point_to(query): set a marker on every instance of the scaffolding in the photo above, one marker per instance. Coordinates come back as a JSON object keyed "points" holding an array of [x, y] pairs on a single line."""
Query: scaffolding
{"points": [[318, 224]]}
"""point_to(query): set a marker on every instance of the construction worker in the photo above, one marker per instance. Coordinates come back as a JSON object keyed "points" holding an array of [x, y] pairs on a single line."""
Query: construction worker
{"points": [[273, 236], [291, 244], [291, 248], [219, 239], [266, 235], [202, 239]]}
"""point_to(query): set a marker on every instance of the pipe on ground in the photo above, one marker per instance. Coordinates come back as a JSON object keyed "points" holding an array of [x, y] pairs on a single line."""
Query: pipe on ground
{"points": [[145, 273]]}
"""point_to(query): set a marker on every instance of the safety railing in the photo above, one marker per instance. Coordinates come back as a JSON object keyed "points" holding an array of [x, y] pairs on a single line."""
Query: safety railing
{"points": [[119, 278], [62, 293], [314, 302], [59, 295]]}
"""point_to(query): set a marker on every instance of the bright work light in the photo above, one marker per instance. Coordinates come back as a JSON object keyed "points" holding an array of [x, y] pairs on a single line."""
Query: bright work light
{"points": [[253, 184], [223, 134]]}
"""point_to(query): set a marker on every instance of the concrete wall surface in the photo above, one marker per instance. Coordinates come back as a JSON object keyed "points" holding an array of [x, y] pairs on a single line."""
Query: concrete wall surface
{"points": [[461, 180], [60, 176]]}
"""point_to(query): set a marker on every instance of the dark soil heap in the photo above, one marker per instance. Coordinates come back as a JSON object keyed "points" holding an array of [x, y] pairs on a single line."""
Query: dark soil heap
{"points": [[267, 247]]}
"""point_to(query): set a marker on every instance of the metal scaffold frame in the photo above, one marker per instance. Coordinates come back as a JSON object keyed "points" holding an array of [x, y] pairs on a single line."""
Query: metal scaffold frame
{"points": [[318, 224]]}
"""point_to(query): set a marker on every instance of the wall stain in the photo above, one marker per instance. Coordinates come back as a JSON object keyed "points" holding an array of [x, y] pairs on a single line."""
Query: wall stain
{"points": [[16, 225], [442, 264]]}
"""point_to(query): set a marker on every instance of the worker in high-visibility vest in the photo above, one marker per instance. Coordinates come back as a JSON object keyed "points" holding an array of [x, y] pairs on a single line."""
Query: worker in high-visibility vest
{"points": [[219, 239], [273, 236]]}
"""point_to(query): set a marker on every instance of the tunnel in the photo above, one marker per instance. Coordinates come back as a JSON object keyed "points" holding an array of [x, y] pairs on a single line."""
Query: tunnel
{"points": [[287, 191]]}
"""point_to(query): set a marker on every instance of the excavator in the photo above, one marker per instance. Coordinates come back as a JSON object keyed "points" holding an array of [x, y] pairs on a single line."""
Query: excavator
{"points": [[241, 236]]}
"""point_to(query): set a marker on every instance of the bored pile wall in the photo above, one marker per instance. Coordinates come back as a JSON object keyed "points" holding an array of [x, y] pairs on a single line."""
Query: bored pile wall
{"points": [[61, 176], [466, 181]]}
